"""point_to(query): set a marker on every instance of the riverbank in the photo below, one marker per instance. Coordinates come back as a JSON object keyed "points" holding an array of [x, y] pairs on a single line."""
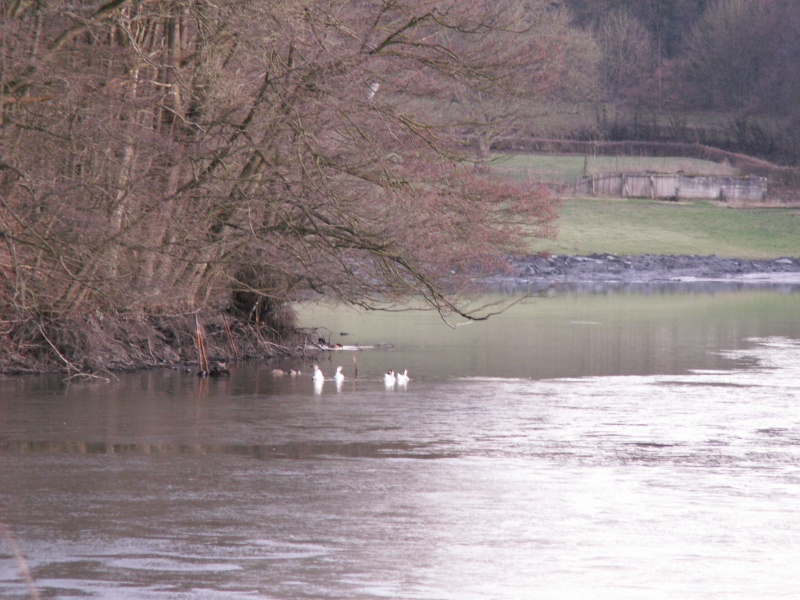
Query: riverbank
{"points": [[98, 345], [648, 268]]}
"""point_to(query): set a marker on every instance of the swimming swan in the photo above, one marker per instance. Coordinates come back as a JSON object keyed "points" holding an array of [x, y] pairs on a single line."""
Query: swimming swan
{"points": [[318, 375], [389, 378], [339, 376], [402, 378]]}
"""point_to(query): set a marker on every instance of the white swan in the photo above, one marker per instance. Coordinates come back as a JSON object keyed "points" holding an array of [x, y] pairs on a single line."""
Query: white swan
{"points": [[318, 375], [402, 378], [389, 378], [339, 376]]}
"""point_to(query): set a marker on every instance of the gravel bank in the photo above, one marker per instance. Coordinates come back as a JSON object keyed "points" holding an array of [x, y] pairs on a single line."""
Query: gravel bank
{"points": [[649, 268]]}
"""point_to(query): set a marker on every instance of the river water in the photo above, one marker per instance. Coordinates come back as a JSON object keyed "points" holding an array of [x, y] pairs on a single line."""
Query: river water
{"points": [[608, 446]]}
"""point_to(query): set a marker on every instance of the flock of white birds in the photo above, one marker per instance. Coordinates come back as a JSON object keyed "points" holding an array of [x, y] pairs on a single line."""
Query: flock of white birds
{"points": [[390, 378]]}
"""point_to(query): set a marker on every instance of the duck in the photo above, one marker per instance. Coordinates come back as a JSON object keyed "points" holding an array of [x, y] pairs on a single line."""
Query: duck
{"points": [[338, 376], [389, 377], [402, 378], [290, 372], [318, 374]]}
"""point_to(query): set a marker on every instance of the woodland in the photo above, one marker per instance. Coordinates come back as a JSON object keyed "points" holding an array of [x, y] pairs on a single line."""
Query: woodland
{"points": [[185, 170]]}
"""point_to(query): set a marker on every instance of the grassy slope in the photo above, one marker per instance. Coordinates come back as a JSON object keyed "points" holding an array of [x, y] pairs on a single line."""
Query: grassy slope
{"points": [[633, 226]]}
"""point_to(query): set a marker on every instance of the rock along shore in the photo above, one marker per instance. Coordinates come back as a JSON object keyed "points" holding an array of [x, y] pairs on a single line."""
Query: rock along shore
{"points": [[649, 268]]}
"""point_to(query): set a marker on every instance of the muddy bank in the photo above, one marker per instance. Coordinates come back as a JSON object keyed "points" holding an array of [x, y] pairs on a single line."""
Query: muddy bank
{"points": [[100, 344], [650, 268]]}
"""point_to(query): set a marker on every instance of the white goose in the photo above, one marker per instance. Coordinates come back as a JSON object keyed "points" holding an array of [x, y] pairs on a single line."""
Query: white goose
{"points": [[339, 376], [402, 378]]}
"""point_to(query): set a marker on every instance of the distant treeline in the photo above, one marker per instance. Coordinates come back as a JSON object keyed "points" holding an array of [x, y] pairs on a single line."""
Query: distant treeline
{"points": [[717, 72]]}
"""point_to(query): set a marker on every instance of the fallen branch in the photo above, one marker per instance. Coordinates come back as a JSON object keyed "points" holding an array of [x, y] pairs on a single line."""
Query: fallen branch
{"points": [[70, 366], [53, 346]]}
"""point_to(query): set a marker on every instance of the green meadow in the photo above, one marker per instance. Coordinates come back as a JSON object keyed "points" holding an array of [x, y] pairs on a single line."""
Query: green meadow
{"points": [[555, 168], [640, 226], [643, 226]]}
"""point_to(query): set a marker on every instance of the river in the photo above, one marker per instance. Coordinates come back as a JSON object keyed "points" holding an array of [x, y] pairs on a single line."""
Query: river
{"points": [[605, 445]]}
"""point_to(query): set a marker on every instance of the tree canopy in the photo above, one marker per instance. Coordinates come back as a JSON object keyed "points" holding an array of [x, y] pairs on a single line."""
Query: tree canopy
{"points": [[165, 156]]}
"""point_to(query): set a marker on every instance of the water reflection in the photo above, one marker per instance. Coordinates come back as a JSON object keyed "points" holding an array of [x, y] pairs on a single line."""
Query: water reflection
{"points": [[568, 335], [646, 288], [297, 451]]}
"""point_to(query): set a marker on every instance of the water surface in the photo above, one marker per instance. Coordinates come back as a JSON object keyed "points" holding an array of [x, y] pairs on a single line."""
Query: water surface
{"points": [[585, 446]]}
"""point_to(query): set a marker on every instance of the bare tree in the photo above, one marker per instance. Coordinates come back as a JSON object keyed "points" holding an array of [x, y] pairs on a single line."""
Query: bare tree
{"points": [[628, 57], [724, 54], [535, 55], [160, 156], [742, 63]]}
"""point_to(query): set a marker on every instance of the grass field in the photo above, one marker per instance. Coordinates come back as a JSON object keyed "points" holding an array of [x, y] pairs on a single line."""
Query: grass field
{"points": [[638, 226], [641, 226], [557, 168]]}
